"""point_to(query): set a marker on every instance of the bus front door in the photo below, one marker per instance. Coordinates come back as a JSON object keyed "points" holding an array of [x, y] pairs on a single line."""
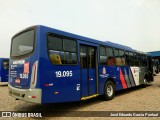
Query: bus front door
{"points": [[88, 61]]}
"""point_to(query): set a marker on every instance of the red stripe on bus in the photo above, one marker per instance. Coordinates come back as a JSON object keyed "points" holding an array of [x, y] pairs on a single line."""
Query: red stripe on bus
{"points": [[122, 80]]}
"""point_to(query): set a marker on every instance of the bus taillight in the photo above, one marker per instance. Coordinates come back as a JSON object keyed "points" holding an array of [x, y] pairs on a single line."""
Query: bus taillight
{"points": [[34, 75]]}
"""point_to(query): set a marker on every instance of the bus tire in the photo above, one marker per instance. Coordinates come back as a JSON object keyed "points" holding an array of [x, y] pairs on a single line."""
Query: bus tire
{"points": [[109, 90]]}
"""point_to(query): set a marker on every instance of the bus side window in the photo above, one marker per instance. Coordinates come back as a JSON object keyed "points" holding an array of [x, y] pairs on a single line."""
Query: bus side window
{"points": [[117, 58], [70, 51], [144, 61], [140, 59], [110, 60], [127, 57], [54, 49], [6, 64], [131, 59], [103, 56], [62, 50], [136, 62], [122, 57]]}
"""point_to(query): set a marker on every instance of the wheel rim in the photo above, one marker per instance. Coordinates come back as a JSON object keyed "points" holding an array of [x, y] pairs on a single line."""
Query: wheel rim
{"points": [[109, 90], [145, 81]]}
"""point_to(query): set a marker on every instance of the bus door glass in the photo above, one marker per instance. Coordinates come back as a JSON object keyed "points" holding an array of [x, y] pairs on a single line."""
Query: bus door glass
{"points": [[88, 70]]}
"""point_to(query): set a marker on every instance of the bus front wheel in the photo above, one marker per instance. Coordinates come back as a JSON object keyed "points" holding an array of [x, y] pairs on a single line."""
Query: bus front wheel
{"points": [[109, 90]]}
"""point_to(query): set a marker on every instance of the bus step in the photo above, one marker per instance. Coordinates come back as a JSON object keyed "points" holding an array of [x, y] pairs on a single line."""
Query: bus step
{"points": [[89, 97]]}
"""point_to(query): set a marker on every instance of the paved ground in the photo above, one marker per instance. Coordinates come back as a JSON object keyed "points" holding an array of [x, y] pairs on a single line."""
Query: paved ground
{"points": [[136, 99]]}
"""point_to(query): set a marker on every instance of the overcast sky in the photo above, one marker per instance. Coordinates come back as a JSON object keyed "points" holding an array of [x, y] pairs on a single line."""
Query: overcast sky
{"points": [[135, 23]]}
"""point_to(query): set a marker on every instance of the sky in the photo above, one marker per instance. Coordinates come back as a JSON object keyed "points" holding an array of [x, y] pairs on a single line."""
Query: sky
{"points": [[134, 23]]}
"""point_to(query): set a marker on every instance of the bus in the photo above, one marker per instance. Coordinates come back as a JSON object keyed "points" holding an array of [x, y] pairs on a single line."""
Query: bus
{"points": [[4, 68], [50, 66]]}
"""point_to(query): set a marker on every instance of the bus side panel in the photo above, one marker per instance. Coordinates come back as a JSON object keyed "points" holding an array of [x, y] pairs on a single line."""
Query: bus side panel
{"points": [[59, 83], [126, 77], [0, 71], [118, 78], [126, 74], [130, 76], [59, 87], [122, 80], [142, 72], [106, 73], [135, 73], [122, 76]]}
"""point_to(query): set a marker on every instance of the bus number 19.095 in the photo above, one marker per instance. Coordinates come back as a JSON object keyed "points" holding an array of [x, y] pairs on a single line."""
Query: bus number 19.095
{"points": [[63, 73]]}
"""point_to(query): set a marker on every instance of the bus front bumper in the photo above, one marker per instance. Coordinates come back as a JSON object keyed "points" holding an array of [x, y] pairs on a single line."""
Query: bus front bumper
{"points": [[29, 95]]}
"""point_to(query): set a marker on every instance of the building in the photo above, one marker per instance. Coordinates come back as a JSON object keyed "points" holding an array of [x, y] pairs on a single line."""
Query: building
{"points": [[156, 61], [155, 54]]}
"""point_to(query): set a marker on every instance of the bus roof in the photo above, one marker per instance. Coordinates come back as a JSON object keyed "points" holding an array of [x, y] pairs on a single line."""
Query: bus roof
{"points": [[107, 43]]}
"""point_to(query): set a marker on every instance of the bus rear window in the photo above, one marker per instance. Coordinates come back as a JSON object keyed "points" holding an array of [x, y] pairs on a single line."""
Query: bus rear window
{"points": [[62, 50], [22, 44]]}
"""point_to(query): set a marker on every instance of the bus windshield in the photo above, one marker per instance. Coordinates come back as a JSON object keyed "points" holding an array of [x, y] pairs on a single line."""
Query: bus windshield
{"points": [[22, 44]]}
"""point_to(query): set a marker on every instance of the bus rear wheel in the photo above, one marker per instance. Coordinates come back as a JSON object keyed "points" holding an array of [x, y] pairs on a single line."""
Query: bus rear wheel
{"points": [[109, 90]]}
